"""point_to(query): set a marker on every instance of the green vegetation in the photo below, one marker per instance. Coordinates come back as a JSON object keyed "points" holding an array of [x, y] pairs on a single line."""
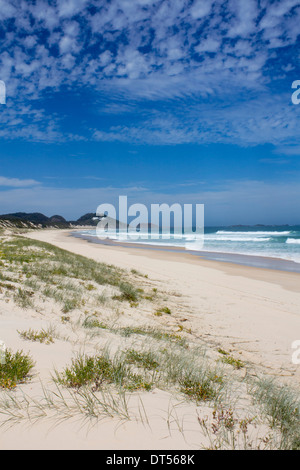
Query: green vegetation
{"points": [[152, 333], [128, 292], [23, 298], [15, 369], [236, 363], [100, 370], [198, 390], [162, 368], [42, 336], [143, 359], [92, 322], [162, 310], [70, 280], [281, 406]]}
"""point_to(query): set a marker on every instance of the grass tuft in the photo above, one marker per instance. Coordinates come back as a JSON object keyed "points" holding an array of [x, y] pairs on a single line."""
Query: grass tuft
{"points": [[42, 336], [144, 359], [15, 369]]}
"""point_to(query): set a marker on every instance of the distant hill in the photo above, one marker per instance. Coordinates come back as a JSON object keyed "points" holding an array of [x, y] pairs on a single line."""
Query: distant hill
{"points": [[57, 219], [38, 220], [86, 219], [35, 218], [32, 220]]}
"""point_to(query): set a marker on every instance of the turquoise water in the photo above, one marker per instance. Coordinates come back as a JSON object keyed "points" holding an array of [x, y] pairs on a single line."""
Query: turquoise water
{"points": [[282, 242]]}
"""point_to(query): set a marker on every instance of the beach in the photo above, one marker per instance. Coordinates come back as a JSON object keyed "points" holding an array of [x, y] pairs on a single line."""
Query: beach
{"points": [[251, 313], [249, 310]]}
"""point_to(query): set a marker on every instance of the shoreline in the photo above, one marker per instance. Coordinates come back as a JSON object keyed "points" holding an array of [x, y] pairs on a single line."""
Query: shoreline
{"points": [[264, 262], [212, 308], [251, 311]]}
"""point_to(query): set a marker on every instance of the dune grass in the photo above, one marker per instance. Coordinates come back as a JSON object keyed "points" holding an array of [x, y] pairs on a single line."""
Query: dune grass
{"points": [[281, 406], [98, 371], [42, 336], [67, 278], [15, 369]]}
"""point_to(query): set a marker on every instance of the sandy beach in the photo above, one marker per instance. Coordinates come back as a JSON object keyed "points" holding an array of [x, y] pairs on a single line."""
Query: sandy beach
{"points": [[255, 312], [252, 313]]}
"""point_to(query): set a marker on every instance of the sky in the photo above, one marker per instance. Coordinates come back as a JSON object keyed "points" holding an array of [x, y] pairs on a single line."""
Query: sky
{"points": [[166, 101]]}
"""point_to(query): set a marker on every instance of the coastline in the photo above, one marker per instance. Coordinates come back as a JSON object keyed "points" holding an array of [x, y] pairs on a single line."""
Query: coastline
{"points": [[252, 311], [278, 264]]}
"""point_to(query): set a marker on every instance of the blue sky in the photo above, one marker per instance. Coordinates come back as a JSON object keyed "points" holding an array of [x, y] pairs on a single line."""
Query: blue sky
{"points": [[162, 101]]}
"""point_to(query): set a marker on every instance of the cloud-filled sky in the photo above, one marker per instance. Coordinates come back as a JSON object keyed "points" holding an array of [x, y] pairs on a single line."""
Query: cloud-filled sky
{"points": [[163, 101]]}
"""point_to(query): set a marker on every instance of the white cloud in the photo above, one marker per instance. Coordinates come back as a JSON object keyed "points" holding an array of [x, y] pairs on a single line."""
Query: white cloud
{"points": [[7, 10], [17, 183], [260, 120], [208, 45], [200, 8], [145, 50], [227, 202], [245, 14], [69, 8], [170, 27]]}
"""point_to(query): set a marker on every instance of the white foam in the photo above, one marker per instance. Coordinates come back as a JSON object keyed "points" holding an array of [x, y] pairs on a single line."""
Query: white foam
{"points": [[225, 232], [236, 239], [293, 241]]}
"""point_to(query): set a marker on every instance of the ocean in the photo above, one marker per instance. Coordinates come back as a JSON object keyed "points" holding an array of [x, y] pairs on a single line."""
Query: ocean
{"points": [[228, 243]]}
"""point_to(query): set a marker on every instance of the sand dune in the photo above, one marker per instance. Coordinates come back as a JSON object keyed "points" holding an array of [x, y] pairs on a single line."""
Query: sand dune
{"points": [[251, 313]]}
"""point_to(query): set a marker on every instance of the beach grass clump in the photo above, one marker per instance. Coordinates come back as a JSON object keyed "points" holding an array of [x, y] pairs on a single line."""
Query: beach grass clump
{"points": [[281, 405], [161, 311], [136, 382], [101, 299], [152, 296], [90, 287], [86, 370], [7, 286], [42, 336], [67, 295], [198, 390], [65, 318], [165, 310], [15, 368], [23, 298], [98, 371], [147, 359], [93, 322], [236, 363], [192, 373], [135, 272], [128, 292], [70, 304], [152, 333], [223, 352]]}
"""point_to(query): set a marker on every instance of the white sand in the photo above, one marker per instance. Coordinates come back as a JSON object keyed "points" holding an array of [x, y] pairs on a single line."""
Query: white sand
{"points": [[252, 312], [249, 310]]}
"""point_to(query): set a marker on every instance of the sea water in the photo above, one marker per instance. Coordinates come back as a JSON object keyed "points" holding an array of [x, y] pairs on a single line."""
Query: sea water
{"points": [[282, 242]]}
